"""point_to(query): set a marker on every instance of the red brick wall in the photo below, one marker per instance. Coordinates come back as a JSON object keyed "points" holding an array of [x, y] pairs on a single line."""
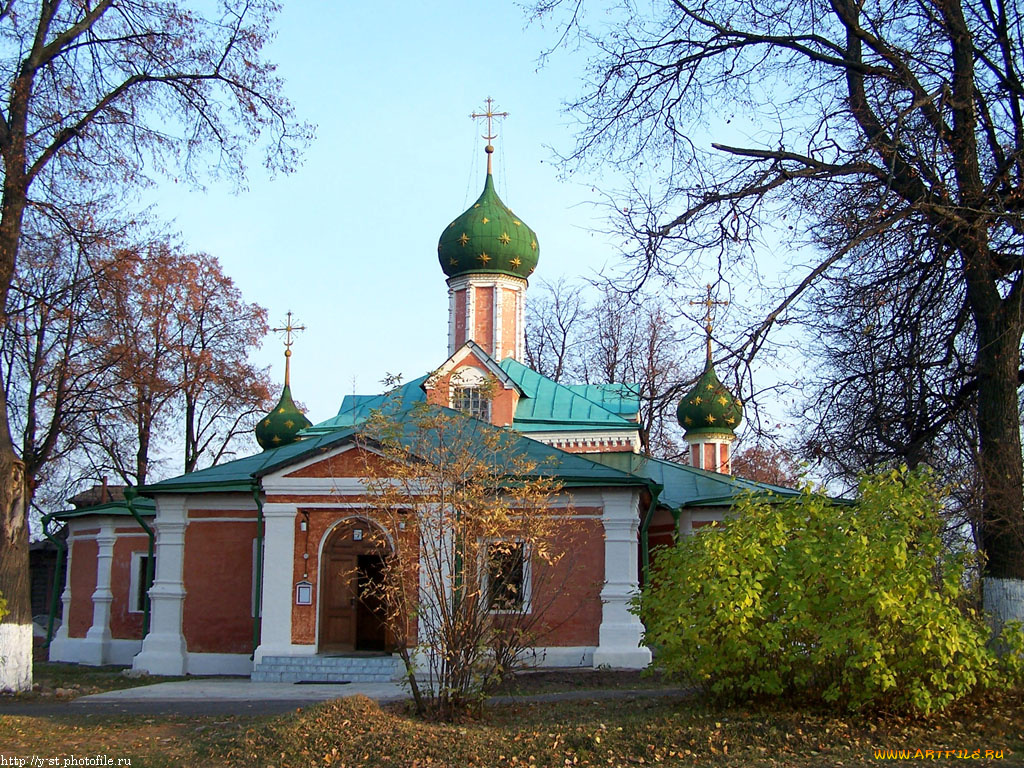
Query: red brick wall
{"points": [[569, 593], [460, 318], [218, 586], [483, 332], [509, 325], [83, 584], [350, 463]]}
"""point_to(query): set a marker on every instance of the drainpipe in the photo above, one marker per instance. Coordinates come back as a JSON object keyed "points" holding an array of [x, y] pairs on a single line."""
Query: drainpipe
{"points": [[259, 570], [62, 547], [645, 545], [130, 494]]}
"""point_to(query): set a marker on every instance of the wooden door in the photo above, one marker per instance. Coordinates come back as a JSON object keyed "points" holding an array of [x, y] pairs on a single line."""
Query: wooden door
{"points": [[338, 603]]}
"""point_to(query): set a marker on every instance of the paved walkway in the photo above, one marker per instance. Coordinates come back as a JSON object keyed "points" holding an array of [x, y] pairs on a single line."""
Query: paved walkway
{"points": [[244, 697]]}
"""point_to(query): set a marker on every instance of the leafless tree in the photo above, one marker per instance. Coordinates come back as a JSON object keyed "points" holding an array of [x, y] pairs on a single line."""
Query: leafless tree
{"points": [[95, 94], [892, 133]]}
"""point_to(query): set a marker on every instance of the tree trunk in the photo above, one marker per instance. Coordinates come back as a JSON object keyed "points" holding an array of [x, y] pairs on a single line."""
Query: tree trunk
{"points": [[16, 627], [999, 463]]}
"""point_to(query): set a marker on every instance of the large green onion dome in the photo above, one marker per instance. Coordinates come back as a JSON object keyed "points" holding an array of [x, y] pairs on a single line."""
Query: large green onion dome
{"points": [[282, 425], [488, 238], [709, 407]]}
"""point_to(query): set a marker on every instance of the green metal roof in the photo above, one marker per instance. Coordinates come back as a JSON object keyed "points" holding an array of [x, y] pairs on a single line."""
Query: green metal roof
{"points": [[240, 474], [686, 486], [488, 238], [548, 405], [355, 409], [709, 408], [282, 424], [621, 399], [145, 507], [572, 470]]}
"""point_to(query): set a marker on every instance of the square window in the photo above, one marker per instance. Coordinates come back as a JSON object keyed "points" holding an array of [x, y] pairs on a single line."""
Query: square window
{"points": [[472, 401], [507, 577], [141, 581]]}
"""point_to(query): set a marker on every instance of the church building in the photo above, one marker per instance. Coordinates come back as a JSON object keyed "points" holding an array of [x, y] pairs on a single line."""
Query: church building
{"points": [[230, 569]]}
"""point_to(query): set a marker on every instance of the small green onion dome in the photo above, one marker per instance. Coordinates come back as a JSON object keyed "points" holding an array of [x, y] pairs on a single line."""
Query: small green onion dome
{"points": [[709, 407], [281, 425], [488, 238]]}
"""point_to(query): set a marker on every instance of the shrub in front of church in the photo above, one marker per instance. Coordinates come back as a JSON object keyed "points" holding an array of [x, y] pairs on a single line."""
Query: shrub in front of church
{"points": [[853, 605]]}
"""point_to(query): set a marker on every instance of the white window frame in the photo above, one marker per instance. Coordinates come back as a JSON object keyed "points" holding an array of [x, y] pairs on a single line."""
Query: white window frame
{"points": [[257, 598], [527, 589], [134, 585]]}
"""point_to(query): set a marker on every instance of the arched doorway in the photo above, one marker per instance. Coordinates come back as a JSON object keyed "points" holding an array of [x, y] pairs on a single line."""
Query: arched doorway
{"points": [[351, 620]]}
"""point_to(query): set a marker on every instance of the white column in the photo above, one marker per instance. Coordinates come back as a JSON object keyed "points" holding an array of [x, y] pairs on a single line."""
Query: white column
{"points": [[163, 649], [60, 647], [278, 575], [95, 650], [621, 631]]}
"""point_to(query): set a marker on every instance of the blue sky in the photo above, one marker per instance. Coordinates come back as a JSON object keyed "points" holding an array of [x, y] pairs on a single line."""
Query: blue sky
{"points": [[348, 242]]}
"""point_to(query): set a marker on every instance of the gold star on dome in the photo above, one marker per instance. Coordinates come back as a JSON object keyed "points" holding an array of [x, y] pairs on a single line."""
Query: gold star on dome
{"points": [[710, 387], [484, 220], [696, 401], [476, 205], [738, 401], [505, 239], [687, 420], [453, 262], [276, 439], [266, 422], [289, 424], [516, 262], [484, 258], [451, 225], [723, 400], [280, 410], [517, 222], [463, 239], [533, 245], [730, 421], [711, 419]]}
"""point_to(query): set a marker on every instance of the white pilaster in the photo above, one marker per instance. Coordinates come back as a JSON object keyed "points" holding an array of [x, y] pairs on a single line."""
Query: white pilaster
{"points": [[163, 649], [278, 575], [497, 299], [95, 650], [620, 635], [60, 648], [451, 321]]}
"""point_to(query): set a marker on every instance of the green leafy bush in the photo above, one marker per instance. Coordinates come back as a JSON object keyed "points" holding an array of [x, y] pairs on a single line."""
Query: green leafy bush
{"points": [[856, 605], [3, 607]]}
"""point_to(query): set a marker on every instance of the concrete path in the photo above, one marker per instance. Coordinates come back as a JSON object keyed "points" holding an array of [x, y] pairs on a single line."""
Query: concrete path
{"points": [[244, 697]]}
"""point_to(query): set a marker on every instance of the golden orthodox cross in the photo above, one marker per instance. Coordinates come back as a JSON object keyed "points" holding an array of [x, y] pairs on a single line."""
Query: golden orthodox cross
{"points": [[287, 330], [490, 114], [709, 305]]}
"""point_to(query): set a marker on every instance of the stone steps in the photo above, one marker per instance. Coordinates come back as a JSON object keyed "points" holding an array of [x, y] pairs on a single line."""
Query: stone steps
{"points": [[328, 669]]}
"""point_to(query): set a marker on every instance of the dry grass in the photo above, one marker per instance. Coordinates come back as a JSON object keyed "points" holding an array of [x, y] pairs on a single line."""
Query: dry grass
{"points": [[641, 731]]}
